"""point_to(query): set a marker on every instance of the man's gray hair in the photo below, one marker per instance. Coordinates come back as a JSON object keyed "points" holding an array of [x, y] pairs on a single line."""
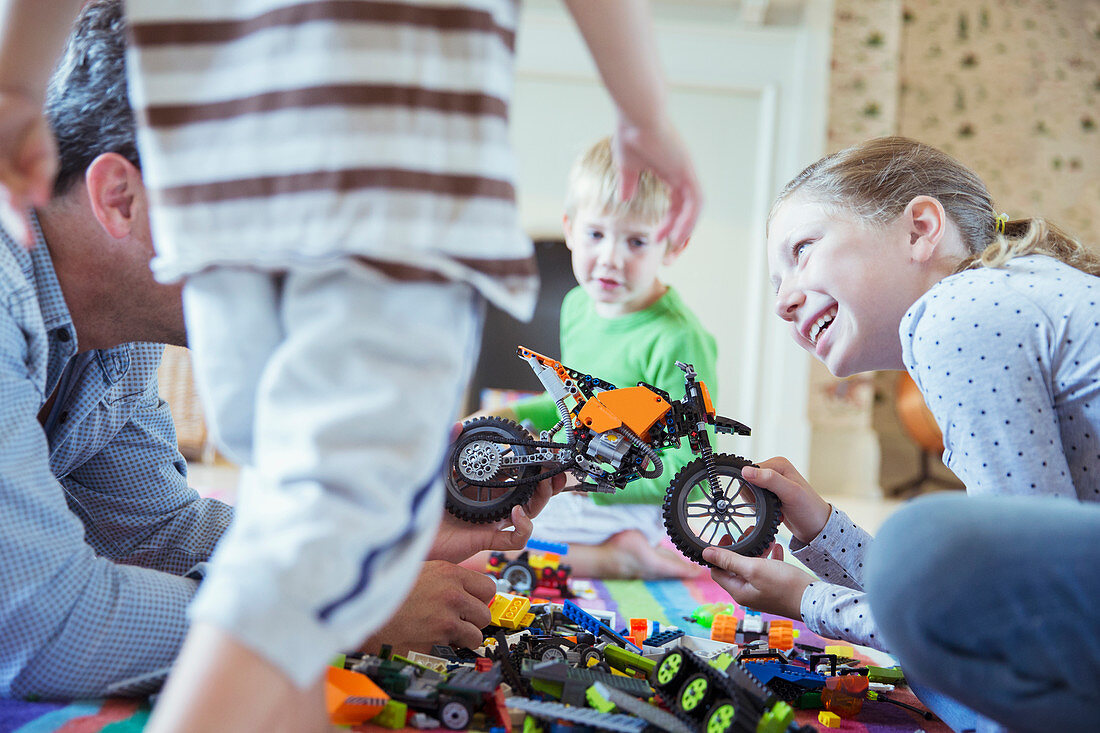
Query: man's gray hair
{"points": [[87, 102]]}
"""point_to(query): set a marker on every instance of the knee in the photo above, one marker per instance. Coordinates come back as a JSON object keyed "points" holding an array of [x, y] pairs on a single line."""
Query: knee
{"points": [[911, 567]]}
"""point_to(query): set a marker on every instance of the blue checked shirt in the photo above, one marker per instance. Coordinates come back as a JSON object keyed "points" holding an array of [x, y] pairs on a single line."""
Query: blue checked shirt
{"points": [[97, 524]]}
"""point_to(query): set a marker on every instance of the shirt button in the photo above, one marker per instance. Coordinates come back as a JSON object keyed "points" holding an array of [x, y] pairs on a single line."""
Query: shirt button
{"points": [[63, 334]]}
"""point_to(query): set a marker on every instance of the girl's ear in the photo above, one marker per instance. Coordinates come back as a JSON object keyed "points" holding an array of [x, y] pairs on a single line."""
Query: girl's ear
{"points": [[927, 222], [567, 230]]}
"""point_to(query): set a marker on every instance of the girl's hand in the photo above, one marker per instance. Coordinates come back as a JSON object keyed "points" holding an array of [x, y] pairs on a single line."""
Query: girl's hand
{"points": [[804, 511], [765, 584]]}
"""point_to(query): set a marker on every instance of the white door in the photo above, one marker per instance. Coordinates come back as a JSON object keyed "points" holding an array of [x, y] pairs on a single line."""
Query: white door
{"points": [[749, 101]]}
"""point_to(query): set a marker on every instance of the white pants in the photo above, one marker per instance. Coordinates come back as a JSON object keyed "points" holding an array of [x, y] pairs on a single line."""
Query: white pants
{"points": [[572, 517], [334, 388]]}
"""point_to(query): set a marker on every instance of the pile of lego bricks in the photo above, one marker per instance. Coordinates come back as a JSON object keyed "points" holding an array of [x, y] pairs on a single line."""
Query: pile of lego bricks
{"points": [[690, 605], [565, 669]]}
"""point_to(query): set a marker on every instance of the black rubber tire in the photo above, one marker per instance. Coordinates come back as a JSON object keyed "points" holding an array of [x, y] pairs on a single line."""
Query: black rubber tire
{"points": [[455, 714], [709, 525], [695, 695], [481, 504], [720, 717], [669, 672]]}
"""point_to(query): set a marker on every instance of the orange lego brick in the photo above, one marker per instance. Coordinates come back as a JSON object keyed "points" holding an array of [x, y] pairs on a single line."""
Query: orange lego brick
{"points": [[724, 628]]}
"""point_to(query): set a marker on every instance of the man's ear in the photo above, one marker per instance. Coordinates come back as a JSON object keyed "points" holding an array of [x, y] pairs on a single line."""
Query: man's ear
{"points": [[116, 193], [927, 223], [673, 251]]}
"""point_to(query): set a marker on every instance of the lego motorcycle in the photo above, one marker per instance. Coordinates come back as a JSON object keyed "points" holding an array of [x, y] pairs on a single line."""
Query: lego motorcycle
{"points": [[611, 436]]}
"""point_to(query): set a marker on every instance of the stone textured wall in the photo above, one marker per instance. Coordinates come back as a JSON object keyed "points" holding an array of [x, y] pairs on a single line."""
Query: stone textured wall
{"points": [[1012, 89]]}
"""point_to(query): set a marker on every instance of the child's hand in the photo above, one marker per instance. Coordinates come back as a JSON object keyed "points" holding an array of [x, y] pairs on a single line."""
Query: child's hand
{"points": [[661, 151], [28, 162], [456, 540], [804, 511], [762, 583]]}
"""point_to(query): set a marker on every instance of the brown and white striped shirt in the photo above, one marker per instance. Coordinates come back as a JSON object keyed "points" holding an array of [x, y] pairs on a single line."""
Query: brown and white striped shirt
{"points": [[282, 132]]}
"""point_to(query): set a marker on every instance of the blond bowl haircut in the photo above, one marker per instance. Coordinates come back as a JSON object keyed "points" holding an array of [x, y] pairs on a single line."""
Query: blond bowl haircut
{"points": [[594, 182], [877, 179]]}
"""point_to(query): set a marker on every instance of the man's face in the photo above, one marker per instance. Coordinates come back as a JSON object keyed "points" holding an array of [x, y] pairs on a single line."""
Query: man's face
{"points": [[615, 259]]}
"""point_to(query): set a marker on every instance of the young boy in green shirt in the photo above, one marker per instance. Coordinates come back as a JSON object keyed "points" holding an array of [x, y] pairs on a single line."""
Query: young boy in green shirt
{"points": [[623, 325]]}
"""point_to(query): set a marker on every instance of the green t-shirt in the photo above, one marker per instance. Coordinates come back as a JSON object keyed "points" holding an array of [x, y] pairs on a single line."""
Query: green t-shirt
{"points": [[638, 347]]}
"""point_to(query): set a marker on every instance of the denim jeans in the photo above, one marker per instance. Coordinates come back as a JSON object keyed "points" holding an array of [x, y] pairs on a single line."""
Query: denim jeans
{"points": [[995, 603]]}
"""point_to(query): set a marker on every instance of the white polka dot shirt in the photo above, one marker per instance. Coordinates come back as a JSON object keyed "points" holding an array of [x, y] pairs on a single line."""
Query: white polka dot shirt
{"points": [[1008, 360]]}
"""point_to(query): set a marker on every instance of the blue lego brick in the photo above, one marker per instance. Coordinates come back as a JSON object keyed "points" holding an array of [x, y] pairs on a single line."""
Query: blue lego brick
{"points": [[593, 625], [663, 637], [544, 546]]}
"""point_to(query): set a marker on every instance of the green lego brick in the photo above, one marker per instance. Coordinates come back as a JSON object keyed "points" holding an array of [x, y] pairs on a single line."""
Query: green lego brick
{"points": [[776, 720], [598, 701], [625, 660], [392, 716], [339, 661], [885, 675], [808, 700]]}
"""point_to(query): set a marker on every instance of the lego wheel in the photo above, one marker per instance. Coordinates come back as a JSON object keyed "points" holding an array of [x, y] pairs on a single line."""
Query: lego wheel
{"points": [[739, 516], [549, 653], [669, 671], [720, 717], [480, 460], [695, 694], [454, 715], [520, 576]]}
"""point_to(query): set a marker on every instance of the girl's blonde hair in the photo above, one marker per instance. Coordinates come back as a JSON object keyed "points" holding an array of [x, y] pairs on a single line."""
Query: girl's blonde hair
{"points": [[877, 179], [594, 181]]}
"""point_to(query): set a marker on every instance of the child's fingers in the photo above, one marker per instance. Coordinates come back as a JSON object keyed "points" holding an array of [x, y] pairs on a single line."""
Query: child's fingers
{"points": [[787, 490], [684, 205]]}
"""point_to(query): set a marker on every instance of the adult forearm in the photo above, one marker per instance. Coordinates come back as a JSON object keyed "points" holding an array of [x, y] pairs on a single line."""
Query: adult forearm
{"points": [[100, 626], [32, 36]]}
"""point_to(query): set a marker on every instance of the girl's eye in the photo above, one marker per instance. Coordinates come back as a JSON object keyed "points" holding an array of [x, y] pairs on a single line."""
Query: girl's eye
{"points": [[798, 248]]}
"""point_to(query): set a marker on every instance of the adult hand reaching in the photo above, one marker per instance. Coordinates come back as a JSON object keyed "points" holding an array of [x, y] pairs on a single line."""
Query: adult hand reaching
{"points": [[448, 605], [456, 540]]}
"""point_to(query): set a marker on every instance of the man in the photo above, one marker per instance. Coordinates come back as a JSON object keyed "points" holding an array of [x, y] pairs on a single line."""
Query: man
{"points": [[102, 541]]}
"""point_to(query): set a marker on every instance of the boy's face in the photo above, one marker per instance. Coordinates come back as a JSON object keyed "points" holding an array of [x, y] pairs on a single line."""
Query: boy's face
{"points": [[616, 260]]}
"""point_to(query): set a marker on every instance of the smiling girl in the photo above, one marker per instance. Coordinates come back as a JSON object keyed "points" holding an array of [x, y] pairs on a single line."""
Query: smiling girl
{"points": [[890, 255]]}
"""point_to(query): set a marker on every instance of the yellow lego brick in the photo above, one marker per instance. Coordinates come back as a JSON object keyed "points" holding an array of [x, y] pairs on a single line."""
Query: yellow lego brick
{"points": [[841, 650], [829, 720]]}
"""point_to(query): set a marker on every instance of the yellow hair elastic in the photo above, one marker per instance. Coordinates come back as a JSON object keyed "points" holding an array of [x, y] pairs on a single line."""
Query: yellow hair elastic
{"points": [[1000, 222]]}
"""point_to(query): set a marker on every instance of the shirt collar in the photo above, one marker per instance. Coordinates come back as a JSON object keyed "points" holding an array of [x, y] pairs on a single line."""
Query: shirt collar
{"points": [[38, 267]]}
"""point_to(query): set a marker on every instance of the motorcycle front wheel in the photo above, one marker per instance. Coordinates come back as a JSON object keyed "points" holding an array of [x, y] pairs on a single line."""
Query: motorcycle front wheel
{"points": [[739, 516]]}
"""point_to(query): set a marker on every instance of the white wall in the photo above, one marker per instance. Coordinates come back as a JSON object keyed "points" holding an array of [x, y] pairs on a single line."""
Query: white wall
{"points": [[749, 101]]}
